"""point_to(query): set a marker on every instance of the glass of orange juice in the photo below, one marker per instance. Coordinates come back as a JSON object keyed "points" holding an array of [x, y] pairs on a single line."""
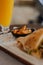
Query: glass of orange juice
{"points": [[6, 8]]}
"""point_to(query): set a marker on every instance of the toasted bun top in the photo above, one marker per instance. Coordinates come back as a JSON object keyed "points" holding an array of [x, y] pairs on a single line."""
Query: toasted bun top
{"points": [[34, 39]]}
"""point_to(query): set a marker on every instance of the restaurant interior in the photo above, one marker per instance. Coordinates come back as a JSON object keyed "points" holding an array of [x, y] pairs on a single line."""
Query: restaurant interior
{"points": [[26, 24]]}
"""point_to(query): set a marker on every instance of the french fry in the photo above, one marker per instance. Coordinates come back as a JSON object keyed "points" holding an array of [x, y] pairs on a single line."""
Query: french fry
{"points": [[22, 30]]}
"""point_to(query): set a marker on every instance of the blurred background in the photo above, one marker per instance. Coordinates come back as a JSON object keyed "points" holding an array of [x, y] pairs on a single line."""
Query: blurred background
{"points": [[26, 11]]}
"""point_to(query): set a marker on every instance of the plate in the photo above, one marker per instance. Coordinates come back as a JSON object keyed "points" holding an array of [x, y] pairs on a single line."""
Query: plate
{"points": [[11, 48], [21, 35]]}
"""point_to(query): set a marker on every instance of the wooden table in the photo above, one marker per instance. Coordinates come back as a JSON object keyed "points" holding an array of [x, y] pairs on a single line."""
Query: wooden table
{"points": [[36, 26], [5, 59]]}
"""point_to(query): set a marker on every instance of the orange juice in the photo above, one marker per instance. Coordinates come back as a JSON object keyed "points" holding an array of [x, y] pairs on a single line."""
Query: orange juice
{"points": [[6, 7]]}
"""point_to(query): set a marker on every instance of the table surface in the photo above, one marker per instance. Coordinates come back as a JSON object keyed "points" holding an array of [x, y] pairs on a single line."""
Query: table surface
{"points": [[5, 59]]}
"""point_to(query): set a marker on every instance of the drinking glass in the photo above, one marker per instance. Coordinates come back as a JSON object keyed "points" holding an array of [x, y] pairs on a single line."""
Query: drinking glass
{"points": [[6, 8]]}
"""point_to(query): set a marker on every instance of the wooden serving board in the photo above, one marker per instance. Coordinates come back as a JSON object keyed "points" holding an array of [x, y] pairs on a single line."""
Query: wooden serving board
{"points": [[7, 42]]}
